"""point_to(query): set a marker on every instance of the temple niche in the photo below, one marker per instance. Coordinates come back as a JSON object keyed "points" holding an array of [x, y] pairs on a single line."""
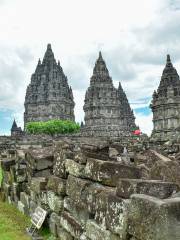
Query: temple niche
{"points": [[107, 110], [165, 105], [48, 96]]}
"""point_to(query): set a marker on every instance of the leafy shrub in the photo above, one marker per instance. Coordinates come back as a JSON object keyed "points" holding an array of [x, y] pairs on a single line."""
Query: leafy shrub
{"points": [[52, 127]]}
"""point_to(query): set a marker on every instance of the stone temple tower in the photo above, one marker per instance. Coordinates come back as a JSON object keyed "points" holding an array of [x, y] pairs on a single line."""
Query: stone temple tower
{"points": [[127, 113], [48, 96], [166, 104], [105, 113]]}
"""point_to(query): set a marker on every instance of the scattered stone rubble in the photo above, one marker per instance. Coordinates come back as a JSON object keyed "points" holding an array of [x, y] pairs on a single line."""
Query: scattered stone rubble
{"points": [[95, 190]]}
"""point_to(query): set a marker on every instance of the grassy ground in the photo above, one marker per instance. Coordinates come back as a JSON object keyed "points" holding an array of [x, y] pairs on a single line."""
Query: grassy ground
{"points": [[0, 174], [13, 224]]}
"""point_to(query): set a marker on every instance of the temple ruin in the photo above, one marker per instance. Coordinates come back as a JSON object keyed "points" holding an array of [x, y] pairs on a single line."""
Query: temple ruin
{"points": [[48, 96], [166, 105], [107, 110]]}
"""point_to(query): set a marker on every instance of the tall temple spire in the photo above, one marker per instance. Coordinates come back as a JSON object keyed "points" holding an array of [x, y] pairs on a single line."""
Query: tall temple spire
{"points": [[14, 125], [165, 104], [48, 95], [15, 130], [107, 111], [169, 76], [100, 68], [127, 112], [49, 56], [169, 69]]}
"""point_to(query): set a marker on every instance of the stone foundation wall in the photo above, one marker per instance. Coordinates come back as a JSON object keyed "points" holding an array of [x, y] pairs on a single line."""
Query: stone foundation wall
{"points": [[92, 190]]}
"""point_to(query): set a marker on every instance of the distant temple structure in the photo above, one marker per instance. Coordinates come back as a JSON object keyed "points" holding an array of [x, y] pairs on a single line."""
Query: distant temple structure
{"points": [[48, 96], [107, 110], [166, 104], [15, 130]]}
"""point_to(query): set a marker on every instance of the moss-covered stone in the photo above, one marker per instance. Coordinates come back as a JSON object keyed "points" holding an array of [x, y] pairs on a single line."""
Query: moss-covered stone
{"points": [[108, 172]]}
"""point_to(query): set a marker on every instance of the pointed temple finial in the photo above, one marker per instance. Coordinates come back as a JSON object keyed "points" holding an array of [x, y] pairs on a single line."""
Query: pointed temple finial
{"points": [[100, 67], [100, 56], [49, 56], [14, 124], [119, 86], [39, 61], [49, 46], [168, 58], [168, 62]]}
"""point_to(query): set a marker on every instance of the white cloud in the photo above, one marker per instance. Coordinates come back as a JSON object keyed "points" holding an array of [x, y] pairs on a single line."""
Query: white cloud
{"points": [[144, 122]]}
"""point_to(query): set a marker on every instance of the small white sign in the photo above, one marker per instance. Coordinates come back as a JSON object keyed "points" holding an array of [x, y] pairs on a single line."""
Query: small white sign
{"points": [[38, 217]]}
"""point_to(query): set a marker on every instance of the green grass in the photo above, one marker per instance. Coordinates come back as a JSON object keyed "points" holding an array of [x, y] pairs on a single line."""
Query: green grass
{"points": [[0, 174], [13, 224]]}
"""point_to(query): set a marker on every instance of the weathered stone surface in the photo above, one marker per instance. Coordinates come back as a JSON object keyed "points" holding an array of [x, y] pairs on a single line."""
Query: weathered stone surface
{"points": [[74, 168], [151, 218], [21, 207], [113, 152], [166, 171], [109, 172], [166, 104], [95, 232], [57, 185], [63, 234], [71, 225], [38, 184], [107, 110], [54, 202], [33, 206], [20, 174], [6, 189], [84, 192], [79, 213], [40, 159], [16, 189], [95, 149], [112, 212], [84, 237], [75, 188], [7, 178], [154, 188], [43, 173], [48, 96], [6, 163], [117, 215], [79, 156], [59, 159], [54, 223], [90, 198], [25, 199]]}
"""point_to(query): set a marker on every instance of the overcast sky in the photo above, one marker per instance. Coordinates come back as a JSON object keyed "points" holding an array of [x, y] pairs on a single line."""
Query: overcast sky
{"points": [[134, 37]]}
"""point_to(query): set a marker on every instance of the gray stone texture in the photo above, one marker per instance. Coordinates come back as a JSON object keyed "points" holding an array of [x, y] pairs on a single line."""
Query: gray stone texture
{"points": [[155, 188], [154, 219], [107, 111], [165, 105], [48, 96], [85, 198]]}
